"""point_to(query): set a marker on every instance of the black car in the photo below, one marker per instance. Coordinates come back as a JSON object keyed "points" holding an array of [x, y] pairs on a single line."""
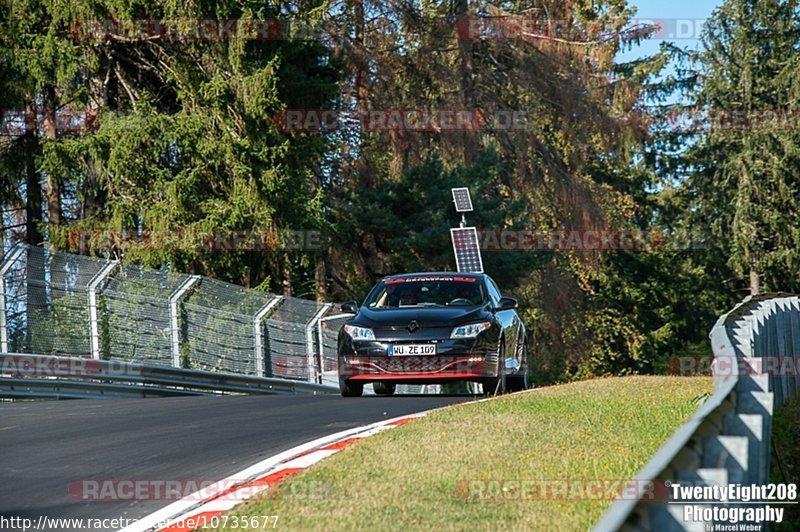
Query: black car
{"points": [[433, 328]]}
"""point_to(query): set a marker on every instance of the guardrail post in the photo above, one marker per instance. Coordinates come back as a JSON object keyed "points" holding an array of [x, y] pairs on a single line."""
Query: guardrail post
{"points": [[13, 255], [259, 338], [94, 326], [321, 343], [174, 299], [320, 346], [310, 341]]}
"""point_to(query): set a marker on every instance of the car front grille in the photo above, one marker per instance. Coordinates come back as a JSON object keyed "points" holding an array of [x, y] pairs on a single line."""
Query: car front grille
{"points": [[416, 364]]}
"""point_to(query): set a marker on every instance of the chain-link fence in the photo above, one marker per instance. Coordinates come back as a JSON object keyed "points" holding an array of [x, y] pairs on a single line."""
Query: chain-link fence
{"points": [[293, 344], [137, 310], [66, 304], [46, 301], [221, 328]]}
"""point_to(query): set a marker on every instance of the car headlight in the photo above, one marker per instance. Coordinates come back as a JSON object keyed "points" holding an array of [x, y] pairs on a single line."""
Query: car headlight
{"points": [[470, 331], [359, 333]]}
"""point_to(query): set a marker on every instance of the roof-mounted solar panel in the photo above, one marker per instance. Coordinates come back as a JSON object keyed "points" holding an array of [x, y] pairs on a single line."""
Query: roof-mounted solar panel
{"points": [[467, 250], [462, 199]]}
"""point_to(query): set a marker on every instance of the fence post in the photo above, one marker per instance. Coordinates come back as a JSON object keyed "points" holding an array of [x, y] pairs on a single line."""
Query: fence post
{"points": [[13, 255], [321, 344], [259, 339], [310, 341], [94, 326], [174, 299], [320, 358]]}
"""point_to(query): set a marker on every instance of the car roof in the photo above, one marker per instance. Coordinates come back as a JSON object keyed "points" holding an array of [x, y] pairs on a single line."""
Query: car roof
{"points": [[435, 274]]}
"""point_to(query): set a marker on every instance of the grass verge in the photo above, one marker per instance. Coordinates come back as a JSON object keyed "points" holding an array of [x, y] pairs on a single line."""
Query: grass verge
{"points": [[416, 476]]}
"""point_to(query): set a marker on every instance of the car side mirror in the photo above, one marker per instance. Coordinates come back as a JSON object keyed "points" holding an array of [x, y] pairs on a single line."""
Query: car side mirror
{"points": [[350, 307], [506, 303]]}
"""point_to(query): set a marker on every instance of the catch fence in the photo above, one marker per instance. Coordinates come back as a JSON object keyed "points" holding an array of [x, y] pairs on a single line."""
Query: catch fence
{"points": [[74, 305]]}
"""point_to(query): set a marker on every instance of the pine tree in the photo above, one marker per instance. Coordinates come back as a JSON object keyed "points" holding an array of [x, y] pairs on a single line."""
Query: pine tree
{"points": [[185, 141], [745, 169]]}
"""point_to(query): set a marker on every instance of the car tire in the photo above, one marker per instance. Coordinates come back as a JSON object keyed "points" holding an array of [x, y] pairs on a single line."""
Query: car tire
{"points": [[494, 386], [350, 388], [384, 388], [519, 381]]}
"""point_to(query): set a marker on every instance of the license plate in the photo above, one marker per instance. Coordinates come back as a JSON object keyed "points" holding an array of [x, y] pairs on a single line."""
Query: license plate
{"points": [[403, 350]]}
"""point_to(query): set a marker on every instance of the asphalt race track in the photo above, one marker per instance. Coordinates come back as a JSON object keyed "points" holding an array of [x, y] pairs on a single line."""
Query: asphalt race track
{"points": [[44, 446]]}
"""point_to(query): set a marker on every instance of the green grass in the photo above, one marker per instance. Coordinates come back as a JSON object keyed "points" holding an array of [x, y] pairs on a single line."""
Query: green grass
{"points": [[785, 459], [411, 477]]}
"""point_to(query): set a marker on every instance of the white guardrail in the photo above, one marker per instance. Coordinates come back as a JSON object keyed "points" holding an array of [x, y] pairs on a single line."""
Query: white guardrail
{"points": [[728, 439], [24, 376]]}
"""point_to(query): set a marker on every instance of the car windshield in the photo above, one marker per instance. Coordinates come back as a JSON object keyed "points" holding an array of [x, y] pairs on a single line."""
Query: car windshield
{"points": [[427, 291]]}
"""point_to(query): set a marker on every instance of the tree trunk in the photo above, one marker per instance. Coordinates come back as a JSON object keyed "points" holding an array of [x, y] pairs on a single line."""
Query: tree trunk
{"points": [[33, 186], [755, 281], [53, 193], [287, 277], [361, 64], [94, 197], [362, 173], [321, 277], [36, 293], [465, 45]]}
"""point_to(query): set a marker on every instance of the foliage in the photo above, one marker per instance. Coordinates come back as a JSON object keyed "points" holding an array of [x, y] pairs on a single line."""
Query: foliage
{"points": [[742, 168], [184, 145]]}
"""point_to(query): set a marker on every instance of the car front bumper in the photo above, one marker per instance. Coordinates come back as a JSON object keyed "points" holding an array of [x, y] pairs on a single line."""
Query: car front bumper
{"points": [[455, 360]]}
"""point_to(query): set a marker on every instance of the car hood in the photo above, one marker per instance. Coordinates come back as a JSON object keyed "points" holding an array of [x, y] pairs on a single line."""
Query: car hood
{"points": [[424, 316]]}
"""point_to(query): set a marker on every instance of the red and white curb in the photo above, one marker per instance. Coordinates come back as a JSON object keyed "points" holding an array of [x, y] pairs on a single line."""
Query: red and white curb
{"points": [[224, 495]]}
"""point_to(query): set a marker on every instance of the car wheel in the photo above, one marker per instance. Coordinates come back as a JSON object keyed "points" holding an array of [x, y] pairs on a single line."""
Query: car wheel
{"points": [[384, 388], [350, 388], [494, 386], [497, 385], [519, 381]]}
